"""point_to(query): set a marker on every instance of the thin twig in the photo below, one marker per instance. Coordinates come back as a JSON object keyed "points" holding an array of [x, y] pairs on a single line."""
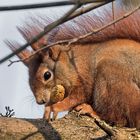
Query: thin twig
{"points": [[113, 12], [71, 41], [11, 62], [117, 133], [105, 127], [47, 29], [42, 48], [44, 5]]}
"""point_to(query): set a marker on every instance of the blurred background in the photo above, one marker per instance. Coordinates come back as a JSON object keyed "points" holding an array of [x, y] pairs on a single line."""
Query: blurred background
{"points": [[14, 88]]}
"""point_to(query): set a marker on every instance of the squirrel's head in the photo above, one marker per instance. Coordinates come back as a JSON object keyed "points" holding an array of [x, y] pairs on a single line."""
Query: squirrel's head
{"points": [[48, 69]]}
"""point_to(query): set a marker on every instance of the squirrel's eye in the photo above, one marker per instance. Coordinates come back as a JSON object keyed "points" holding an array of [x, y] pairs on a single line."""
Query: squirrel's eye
{"points": [[47, 75]]}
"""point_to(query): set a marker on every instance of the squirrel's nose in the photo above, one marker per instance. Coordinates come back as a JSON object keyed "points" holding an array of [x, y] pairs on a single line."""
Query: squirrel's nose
{"points": [[40, 102]]}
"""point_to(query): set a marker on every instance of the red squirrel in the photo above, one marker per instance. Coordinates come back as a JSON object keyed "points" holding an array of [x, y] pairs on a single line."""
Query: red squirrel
{"points": [[100, 74]]}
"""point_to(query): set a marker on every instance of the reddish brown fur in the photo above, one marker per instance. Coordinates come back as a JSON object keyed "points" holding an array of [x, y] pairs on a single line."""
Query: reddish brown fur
{"points": [[104, 75]]}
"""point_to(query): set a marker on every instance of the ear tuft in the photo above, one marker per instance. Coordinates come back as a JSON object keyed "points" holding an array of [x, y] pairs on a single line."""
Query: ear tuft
{"points": [[25, 33], [14, 46]]}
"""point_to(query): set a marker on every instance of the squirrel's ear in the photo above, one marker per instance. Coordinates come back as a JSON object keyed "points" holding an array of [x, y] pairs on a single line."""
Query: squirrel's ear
{"points": [[51, 55], [47, 58], [23, 54], [54, 52]]}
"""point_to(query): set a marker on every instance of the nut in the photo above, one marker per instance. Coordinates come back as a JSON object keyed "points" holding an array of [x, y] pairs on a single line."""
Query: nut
{"points": [[57, 94]]}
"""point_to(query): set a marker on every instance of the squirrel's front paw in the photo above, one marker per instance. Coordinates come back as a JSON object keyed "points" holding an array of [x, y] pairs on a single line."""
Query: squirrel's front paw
{"points": [[47, 114]]}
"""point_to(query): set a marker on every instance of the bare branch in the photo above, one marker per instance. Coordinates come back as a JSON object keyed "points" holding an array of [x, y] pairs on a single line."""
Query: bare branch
{"points": [[11, 62], [44, 5], [88, 8], [117, 133], [104, 126]]}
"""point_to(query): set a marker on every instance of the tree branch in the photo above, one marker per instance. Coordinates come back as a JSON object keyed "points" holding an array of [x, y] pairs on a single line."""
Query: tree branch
{"points": [[88, 8], [67, 128], [44, 5]]}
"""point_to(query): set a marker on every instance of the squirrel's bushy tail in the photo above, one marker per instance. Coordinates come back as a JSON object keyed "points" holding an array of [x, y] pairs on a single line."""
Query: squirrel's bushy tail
{"points": [[126, 28]]}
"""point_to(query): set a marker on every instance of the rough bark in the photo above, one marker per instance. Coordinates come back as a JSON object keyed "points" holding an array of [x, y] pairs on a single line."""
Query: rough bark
{"points": [[70, 127]]}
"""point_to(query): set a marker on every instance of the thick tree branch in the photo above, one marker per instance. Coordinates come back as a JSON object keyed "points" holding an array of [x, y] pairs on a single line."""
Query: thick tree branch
{"points": [[69, 127]]}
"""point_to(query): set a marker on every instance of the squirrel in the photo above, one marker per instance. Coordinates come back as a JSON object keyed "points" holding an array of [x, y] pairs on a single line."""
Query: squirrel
{"points": [[100, 74]]}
